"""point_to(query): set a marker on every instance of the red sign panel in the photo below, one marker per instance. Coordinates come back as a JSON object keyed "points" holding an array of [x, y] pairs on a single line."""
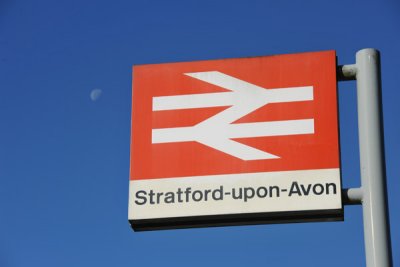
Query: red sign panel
{"points": [[314, 150]]}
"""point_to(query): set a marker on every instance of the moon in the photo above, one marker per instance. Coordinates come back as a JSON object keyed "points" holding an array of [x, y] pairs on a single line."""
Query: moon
{"points": [[95, 94]]}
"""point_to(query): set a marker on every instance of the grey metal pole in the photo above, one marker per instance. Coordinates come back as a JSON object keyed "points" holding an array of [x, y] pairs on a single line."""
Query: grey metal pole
{"points": [[372, 162]]}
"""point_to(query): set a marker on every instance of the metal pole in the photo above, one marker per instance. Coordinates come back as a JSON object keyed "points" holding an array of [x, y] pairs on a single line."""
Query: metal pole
{"points": [[372, 162]]}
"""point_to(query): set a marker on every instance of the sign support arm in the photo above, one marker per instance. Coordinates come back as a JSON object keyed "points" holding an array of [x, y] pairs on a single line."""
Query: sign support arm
{"points": [[352, 196]]}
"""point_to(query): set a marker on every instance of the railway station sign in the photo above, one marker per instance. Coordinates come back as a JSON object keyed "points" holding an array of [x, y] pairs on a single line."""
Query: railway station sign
{"points": [[235, 141]]}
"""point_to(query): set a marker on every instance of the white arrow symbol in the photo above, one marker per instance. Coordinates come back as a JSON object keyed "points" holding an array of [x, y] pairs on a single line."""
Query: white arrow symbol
{"points": [[218, 130]]}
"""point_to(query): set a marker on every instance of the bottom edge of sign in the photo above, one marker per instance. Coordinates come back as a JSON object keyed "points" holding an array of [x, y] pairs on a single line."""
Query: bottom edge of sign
{"points": [[237, 219]]}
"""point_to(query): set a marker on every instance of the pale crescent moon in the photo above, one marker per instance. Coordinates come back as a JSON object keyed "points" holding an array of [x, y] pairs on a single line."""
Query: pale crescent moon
{"points": [[95, 94]]}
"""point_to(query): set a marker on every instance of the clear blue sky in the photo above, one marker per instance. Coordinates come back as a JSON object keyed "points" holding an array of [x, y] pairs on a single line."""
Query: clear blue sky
{"points": [[64, 158]]}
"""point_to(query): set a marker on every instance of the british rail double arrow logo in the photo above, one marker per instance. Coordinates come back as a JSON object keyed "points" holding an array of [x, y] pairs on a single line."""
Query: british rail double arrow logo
{"points": [[243, 98]]}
